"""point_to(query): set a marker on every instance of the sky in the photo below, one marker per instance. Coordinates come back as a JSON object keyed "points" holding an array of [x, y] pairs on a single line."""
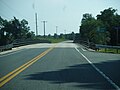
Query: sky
{"points": [[65, 14]]}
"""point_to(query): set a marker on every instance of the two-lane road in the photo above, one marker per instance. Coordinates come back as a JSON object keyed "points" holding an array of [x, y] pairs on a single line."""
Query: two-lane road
{"points": [[62, 66]]}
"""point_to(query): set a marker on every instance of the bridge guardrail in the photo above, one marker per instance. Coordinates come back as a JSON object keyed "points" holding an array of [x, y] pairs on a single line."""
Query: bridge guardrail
{"points": [[98, 46], [22, 43], [6, 47]]}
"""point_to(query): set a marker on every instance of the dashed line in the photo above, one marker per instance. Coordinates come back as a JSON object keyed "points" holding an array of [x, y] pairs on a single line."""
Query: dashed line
{"points": [[106, 77]]}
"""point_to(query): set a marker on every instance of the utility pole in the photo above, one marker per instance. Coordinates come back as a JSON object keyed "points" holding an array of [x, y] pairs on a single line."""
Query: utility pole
{"points": [[44, 27], [56, 29], [35, 18], [65, 33], [36, 24], [117, 36]]}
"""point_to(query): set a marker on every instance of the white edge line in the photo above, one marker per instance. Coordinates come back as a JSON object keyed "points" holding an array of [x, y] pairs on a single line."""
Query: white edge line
{"points": [[107, 78], [10, 53]]}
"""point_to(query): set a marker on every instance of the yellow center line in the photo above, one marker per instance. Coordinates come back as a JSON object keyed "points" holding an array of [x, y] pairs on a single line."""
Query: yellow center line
{"points": [[15, 72]]}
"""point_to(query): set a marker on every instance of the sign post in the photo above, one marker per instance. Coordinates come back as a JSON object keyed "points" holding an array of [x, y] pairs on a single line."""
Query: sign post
{"points": [[117, 28]]}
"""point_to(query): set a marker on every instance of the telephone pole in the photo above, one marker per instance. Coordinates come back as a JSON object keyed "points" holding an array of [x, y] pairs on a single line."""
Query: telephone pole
{"points": [[65, 33], [44, 22], [36, 24], [56, 29]]}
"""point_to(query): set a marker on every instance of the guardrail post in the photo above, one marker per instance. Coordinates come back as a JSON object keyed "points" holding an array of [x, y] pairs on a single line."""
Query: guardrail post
{"points": [[117, 50], [105, 49]]}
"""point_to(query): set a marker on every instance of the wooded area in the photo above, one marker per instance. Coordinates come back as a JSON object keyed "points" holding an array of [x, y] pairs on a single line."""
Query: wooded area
{"points": [[14, 29], [105, 29]]}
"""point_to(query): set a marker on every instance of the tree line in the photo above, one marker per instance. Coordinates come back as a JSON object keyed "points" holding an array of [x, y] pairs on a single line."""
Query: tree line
{"points": [[104, 29], [14, 29]]}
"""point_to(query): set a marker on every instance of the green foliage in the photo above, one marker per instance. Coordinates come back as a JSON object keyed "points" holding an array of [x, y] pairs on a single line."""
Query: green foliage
{"points": [[92, 29], [110, 19], [115, 51], [89, 26], [14, 29], [51, 39]]}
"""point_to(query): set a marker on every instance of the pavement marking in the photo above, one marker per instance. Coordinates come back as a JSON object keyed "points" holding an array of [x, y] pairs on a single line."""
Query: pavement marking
{"points": [[83, 49], [15, 72], [106, 77], [10, 53]]}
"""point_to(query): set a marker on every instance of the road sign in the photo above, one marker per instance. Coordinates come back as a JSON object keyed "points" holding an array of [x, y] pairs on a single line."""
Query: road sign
{"points": [[117, 28], [101, 29]]}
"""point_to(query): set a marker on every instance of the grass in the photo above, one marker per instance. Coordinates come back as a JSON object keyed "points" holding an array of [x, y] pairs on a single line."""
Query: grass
{"points": [[107, 50], [52, 40]]}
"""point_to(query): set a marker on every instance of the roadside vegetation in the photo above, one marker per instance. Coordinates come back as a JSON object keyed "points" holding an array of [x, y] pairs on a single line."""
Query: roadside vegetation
{"points": [[16, 30], [104, 29], [115, 51], [52, 40], [57, 38]]}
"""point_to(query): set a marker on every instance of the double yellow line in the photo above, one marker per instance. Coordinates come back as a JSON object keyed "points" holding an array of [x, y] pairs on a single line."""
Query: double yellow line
{"points": [[15, 72]]}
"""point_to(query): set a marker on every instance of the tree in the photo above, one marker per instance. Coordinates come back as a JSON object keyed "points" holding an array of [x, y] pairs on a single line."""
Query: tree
{"points": [[110, 19], [30, 35], [88, 28], [5, 32], [49, 35], [1, 26], [25, 29], [61, 36], [55, 35], [2, 38], [14, 29], [107, 16], [85, 25], [91, 29]]}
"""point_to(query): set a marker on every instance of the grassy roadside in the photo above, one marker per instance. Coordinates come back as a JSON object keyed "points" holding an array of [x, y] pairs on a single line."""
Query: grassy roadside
{"points": [[109, 51], [52, 40]]}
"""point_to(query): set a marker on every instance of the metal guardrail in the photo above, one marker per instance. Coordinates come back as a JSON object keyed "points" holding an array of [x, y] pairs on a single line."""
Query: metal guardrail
{"points": [[21, 43], [98, 46], [106, 46]]}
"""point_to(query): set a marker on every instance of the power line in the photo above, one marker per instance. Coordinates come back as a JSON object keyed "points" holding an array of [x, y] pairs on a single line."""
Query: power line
{"points": [[13, 10], [6, 5], [4, 16], [2, 11]]}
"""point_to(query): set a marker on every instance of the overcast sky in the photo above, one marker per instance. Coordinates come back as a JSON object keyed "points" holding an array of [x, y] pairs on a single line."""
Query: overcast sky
{"points": [[66, 14]]}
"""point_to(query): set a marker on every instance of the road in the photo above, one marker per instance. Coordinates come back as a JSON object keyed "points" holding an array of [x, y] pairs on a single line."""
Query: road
{"points": [[60, 66]]}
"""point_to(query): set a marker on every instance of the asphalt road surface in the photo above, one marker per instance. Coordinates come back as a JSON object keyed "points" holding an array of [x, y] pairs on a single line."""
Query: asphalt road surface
{"points": [[60, 66]]}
